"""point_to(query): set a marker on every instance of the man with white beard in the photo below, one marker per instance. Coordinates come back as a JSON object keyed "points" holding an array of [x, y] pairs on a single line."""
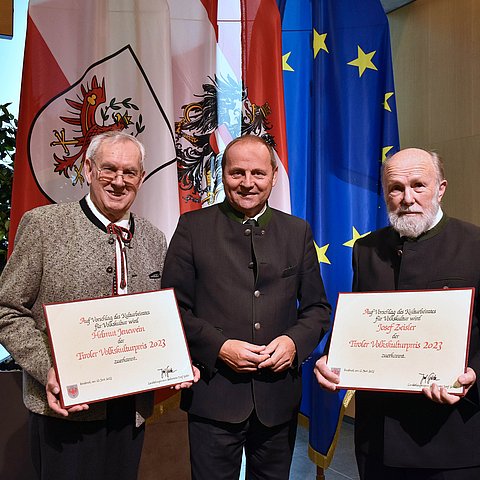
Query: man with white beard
{"points": [[404, 435]]}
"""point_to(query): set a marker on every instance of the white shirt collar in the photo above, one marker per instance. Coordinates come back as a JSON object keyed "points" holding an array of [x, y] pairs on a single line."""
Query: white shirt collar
{"points": [[257, 216], [438, 217], [123, 222]]}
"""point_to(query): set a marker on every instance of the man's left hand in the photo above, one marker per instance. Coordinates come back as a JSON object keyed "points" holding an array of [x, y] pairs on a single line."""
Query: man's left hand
{"points": [[440, 395], [53, 396], [196, 378], [282, 352]]}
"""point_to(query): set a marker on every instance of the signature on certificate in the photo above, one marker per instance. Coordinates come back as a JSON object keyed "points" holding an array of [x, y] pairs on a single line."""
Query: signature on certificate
{"points": [[165, 372], [427, 378]]}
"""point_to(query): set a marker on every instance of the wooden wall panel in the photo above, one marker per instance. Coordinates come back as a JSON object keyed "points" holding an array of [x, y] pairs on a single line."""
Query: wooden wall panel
{"points": [[166, 454], [436, 57], [6, 18]]}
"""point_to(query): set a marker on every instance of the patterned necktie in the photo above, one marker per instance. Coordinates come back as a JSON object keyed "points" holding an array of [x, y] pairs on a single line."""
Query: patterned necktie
{"points": [[124, 236]]}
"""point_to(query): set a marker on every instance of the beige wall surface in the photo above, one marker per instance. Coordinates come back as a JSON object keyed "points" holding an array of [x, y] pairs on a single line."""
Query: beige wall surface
{"points": [[436, 58]]}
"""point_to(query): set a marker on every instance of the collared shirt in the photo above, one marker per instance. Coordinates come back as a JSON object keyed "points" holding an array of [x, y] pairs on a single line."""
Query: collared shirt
{"points": [[263, 218], [438, 217], [119, 258], [257, 216]]}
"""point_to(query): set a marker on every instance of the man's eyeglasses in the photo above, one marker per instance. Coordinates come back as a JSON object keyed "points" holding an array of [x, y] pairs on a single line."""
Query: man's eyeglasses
{"points": [[109, 174]]}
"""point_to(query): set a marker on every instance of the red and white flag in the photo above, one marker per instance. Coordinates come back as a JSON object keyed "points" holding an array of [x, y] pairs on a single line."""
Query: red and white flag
{"points": [[90, 67], [227, 80]]}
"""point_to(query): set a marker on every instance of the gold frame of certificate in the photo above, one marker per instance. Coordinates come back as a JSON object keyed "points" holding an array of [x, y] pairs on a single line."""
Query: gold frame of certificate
{"points": [[403, 340], [114, 346]]}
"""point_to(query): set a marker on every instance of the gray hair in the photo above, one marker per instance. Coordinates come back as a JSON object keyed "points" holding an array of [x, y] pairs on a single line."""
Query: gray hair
{"points": [[114, 136], [438, 165]]}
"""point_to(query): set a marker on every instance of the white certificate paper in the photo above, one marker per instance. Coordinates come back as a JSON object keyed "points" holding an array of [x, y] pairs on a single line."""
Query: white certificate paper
{"points": [[403, 340], [113, 346]]}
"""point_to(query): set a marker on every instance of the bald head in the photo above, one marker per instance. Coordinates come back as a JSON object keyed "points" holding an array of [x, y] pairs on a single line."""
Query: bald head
{"points": [[416, 156], [413, 184]]}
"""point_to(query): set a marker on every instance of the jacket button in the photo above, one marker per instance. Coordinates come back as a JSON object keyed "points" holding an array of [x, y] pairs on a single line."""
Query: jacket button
{"points": [[257, 326], [251, 265], [256, 293], [111, 240], [262, 232], [247, 232], [109, 269]]}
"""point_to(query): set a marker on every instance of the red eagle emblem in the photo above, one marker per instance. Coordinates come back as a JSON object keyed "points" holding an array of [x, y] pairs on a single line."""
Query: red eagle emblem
{"points": [[72, 391], [83, 117]]}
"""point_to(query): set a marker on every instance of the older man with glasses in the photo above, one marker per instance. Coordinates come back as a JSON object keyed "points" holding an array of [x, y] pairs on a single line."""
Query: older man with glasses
{"points": [[87, 249]]}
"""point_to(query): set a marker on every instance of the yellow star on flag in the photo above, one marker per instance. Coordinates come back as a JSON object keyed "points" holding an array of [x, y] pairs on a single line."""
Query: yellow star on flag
{"points": [[319, 43], [322, 253], [386, 106], [285, 65], [356, 236], [385, 150], [363, 61]]}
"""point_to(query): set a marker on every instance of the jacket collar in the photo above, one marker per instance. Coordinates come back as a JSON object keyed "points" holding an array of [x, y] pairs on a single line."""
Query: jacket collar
{"points": [[426, 235], [96, 221], [238, 217]]}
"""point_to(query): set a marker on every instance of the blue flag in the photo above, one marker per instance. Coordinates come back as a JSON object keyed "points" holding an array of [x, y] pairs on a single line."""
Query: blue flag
{"points": [[341, 124]]}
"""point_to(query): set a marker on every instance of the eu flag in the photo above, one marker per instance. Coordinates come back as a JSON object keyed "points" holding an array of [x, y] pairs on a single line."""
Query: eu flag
{"points": [[341, 124]]}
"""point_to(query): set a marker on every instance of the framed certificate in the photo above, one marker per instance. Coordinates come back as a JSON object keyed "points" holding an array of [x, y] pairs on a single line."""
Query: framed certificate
{"points": [[113, 346], [403, 340]]}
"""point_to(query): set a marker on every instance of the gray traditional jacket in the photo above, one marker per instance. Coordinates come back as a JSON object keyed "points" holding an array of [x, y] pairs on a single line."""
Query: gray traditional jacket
{"points": [[63, 253]]}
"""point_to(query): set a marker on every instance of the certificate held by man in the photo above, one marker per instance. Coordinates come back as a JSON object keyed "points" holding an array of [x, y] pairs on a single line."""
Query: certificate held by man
{"points": [[113, 346], [402, 340]]}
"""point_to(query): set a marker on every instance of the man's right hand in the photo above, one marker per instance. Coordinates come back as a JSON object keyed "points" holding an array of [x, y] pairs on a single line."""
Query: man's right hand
{"points": [[242, 356], [53, 390], [325, 377]]}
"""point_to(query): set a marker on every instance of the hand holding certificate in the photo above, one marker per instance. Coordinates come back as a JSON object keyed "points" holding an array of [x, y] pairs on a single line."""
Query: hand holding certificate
{"points": [[115, 346], [402, 341]]}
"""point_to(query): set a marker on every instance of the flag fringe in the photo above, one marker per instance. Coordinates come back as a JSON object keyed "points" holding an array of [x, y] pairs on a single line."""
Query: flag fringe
{"points": [[322, 460]]}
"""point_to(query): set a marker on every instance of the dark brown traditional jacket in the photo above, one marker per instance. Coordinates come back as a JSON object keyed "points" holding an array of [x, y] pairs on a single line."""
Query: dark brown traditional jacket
{"points": [[409, 430], [250, 283]]}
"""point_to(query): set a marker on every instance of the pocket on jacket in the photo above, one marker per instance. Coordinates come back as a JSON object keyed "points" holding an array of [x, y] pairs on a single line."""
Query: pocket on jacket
{"points": [[289, 271]]}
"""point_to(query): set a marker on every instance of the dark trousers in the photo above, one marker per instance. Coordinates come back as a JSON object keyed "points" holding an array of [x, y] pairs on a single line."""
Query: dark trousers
{"points": [[371, 468], [100, 450], [216, 449]]}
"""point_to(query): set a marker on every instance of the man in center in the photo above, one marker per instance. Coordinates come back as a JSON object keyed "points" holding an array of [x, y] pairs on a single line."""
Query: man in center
{"points": [[253, 304]]}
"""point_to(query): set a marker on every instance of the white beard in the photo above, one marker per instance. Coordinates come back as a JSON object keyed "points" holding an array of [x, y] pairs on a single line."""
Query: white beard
{"points": [[413, 226]]}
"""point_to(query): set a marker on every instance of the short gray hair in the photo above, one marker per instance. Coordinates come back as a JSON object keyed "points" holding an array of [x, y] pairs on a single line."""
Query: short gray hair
{"points": [[114, 136], [439, 166]]}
